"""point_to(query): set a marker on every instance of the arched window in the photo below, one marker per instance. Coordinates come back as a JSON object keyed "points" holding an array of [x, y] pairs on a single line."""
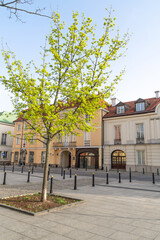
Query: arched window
{"points": [[118, 160]]}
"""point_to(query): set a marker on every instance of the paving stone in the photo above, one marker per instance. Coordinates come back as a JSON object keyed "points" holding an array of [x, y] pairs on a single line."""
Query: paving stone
{"points": [[79, 234], [35, 232], [145, 233]]}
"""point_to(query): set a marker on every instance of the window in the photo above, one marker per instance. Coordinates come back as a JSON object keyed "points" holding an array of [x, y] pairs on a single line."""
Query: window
{"points": [[4, 154], [73, 138], [31, 157], [87, 138], [117, 135], [18, 139], [120, 109], [25, 126], [140, 106], [43, 157], [140, 131], [16, 154], [32, 140], [140, 158], [24, 140], [87, 118], [66, 140], [4, 138], [19, 127], [59, 138]]}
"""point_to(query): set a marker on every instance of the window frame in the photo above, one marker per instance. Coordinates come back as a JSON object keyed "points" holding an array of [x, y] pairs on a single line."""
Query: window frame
{"points": [[120, 109], [141, 161], [141, 133], [18, 139], [30, 156], [18, 127], [139, 107], [17, 156], [4, 139]]}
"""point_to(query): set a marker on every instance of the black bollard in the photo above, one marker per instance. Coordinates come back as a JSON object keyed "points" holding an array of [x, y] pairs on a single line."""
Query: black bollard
{"points": [[4, 180], [157, 172], [93, 180], [153, 179], [70, 172], [119, 177], [130, 176], [13, 168], [86, 165], [51, 185], [28, 180], [143, 170], [61, 171], [32, 169], [107, 179], [22, 169], [48, 176], [75, 182], [64, 174]]}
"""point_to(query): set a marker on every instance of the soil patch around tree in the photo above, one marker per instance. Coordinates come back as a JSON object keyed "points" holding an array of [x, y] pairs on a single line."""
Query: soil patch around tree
{"points": [[32, 202]]}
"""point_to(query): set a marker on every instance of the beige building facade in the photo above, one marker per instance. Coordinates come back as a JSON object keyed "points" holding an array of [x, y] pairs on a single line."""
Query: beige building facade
{"points": [[80, 151], [132, 135]]}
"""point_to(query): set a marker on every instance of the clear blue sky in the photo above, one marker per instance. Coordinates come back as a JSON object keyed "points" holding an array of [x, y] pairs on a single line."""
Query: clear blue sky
{"points": [[140, 17]]}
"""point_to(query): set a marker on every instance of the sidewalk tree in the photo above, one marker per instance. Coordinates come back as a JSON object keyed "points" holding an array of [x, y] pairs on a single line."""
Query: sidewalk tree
{"points": [[73, 80]]}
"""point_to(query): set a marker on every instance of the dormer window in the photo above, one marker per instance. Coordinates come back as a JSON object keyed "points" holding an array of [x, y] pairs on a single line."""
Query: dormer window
{"points": [[140, 107], [120, 109]]}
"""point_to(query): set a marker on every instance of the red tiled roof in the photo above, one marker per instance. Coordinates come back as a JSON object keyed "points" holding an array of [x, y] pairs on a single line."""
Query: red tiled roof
{"points": [[131, 109]]}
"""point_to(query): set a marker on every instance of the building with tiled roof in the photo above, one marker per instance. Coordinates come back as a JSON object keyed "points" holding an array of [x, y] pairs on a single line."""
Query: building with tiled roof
{"points": [[6, 140], [132, 135]]}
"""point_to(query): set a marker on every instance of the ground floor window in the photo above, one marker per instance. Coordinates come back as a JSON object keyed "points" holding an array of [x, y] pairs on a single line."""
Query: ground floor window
{"points": [[31, 157], [140, 158], [16, 154], [118, 159]]}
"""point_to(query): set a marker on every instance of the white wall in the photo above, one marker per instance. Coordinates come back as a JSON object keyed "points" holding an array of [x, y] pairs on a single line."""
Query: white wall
{"points": [[5, 128]]}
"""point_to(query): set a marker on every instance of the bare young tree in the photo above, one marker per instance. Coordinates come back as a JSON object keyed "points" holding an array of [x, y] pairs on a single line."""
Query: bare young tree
{"points": [[17, 6]]}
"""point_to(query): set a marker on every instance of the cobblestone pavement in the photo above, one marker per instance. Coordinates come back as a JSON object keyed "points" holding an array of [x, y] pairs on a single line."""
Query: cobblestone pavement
{"points": [[118, 211]]}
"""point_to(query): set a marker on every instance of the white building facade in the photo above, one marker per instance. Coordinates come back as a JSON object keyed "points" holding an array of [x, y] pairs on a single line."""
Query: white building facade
{"points": [[132, 135], [6, 140]]}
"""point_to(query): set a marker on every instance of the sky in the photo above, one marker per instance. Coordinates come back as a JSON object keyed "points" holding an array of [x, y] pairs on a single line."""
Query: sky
{"points": [[140, 18]]}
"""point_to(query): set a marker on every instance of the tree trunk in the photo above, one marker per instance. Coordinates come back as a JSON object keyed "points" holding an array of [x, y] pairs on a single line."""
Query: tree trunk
{"points": [[45, 173]]}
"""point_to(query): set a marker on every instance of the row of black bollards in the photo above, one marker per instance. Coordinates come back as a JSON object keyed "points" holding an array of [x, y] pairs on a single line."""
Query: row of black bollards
{"points": [[63, 172]]}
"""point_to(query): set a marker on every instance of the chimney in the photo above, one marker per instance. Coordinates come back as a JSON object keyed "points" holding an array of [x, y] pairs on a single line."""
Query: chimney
{"points": [[113, 101], [157, 94]]}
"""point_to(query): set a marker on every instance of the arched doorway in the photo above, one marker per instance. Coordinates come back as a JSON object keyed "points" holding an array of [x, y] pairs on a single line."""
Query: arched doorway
{"points": [[87, 158], [118, 160], [66, 159]]}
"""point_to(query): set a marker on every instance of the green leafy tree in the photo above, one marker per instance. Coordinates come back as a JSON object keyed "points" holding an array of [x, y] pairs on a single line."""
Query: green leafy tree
{"points": [[72, 81]]}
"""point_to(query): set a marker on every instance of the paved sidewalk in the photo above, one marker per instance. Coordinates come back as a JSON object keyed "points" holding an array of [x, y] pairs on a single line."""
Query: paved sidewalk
{"points": [[110, 212]]}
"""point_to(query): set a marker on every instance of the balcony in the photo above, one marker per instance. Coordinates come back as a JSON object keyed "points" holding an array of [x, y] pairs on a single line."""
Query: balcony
{"points": [[87, 143], [117, 141], [139, 140], [64, 144]]}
